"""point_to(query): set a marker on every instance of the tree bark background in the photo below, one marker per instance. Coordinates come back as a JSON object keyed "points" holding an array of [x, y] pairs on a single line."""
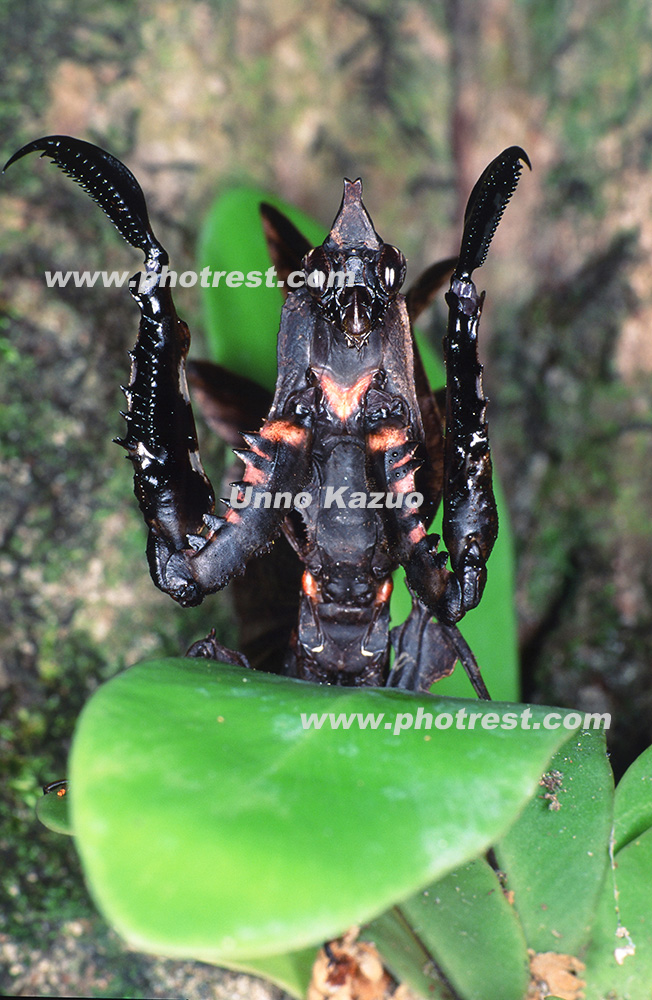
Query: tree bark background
{"points": [[415, 97]]}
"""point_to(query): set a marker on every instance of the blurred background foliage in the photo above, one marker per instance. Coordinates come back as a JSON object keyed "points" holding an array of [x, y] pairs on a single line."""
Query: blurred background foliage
{"points": [[416, 97]]}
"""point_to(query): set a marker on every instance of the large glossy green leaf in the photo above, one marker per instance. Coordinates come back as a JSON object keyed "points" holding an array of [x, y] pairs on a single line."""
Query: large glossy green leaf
{"points": [[619, 960], [633, 801], [211, 824], [556, 858], [242, 327], [473, 933]]}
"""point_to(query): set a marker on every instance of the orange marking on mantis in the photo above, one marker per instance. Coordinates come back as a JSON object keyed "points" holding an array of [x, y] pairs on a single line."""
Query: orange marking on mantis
{"points": [[232, 516], [417, 533], [406, 458], [386, 438], [345, 399], [384, 591], [404, 485], [253, 475], [283, 430], [309, 586]]}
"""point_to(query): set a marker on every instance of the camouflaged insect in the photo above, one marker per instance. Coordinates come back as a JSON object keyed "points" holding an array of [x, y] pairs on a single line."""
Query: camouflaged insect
{"points": [[353, 426]]}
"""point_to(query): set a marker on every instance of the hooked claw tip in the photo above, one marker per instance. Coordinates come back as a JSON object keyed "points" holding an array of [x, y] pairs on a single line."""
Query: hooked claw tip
{"points": [[108, 182], [12, 159], [519, 152], [47, 146]]}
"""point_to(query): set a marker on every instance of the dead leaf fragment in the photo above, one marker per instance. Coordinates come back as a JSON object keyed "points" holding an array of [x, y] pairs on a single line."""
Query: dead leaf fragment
{"points": [[348, 969], [555, 974]]}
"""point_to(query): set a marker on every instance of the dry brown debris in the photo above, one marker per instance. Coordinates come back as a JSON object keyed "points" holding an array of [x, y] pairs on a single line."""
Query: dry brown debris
{"points": [[555, 974], [352, 971]]}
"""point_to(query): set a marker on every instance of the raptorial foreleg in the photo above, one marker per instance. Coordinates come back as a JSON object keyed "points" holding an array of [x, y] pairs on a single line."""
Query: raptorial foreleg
{"points": [[470, 519], [172, 489], [191, 551]]}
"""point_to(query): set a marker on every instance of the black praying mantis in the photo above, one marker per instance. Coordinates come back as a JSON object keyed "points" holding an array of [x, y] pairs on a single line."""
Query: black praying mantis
{"points": [[348, 461]]}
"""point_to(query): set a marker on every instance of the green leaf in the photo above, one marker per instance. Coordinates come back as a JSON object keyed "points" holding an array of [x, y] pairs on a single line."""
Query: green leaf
{"points": [[211, 824], [556, 858], [473, 933], [291, 971], [405, 955], [633, 801], [624, 922], [242, 323], [53, 810]]}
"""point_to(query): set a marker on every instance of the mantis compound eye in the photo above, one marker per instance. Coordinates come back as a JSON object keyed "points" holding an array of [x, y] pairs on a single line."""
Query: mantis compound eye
{"points": [[391, 269], [317, 269]]}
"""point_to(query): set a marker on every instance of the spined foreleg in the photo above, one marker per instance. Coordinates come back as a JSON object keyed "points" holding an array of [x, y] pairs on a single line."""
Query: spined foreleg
{"points": [[277, 468], [470, 523], [191, 551], [470, 519], [170, 484]]}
